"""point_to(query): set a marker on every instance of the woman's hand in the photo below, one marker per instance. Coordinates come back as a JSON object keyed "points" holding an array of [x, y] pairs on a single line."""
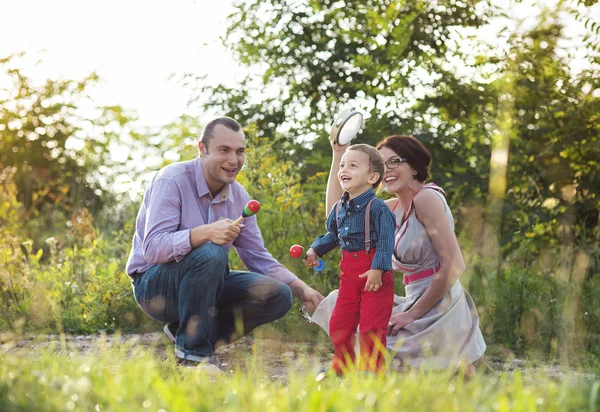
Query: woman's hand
{"points": [[340, 149], [399, 321], [337, 148]]}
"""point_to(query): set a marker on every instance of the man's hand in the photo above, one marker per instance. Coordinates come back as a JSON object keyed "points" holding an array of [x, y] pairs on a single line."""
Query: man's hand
{"points": [[373, 280], [224, 231], [311, 258], [399, 321], [309, 297], [220, 232]]}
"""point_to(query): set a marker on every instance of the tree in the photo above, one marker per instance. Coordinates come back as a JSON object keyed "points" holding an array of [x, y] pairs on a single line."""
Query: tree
{"points": [[553, 177], [402, 63], [60, 159]]}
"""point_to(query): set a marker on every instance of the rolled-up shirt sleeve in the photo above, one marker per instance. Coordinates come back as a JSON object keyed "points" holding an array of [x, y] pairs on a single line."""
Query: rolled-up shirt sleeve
{"points": [[330, 240], [385, 224], [251, 249], [163, 242]]}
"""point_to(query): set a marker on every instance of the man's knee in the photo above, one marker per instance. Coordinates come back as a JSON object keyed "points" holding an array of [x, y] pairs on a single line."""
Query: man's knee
{"points": [[209, 260], [284, 300]]}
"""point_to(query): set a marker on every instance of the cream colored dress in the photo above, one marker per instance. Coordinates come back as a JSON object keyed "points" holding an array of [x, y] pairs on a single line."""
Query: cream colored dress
{"points": [[446, 335]]}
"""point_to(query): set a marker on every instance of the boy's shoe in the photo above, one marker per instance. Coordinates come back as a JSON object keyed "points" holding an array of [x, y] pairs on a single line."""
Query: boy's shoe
{"points": [[321, 376], [326, 372], [170, 330]]}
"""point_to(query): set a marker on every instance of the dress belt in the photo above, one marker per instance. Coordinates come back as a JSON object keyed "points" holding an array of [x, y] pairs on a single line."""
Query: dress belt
{"points": [[420, 275]]}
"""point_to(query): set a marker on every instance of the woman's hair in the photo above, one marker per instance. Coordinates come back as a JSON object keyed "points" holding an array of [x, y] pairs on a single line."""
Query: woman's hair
{"points": [[375, 159], [413, 151]]}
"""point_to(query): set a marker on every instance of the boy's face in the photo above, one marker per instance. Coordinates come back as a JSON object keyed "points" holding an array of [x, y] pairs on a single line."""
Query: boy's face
{"points": [[354, 175]]}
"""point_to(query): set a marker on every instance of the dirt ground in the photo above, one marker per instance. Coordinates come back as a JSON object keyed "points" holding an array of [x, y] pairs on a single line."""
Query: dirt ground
{"points": [[277, 357]]}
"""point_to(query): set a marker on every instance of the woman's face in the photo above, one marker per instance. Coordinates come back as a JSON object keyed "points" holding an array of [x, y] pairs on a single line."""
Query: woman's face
{"points": [[399, 178]]}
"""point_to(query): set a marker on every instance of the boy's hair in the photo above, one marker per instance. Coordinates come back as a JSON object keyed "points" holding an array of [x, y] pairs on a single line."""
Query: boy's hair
{"points": [[375, 159]]}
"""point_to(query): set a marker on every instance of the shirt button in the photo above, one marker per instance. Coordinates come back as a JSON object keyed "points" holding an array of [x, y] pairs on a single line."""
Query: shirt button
{"points": [[346, 227], [355, 256], [348, 213]]}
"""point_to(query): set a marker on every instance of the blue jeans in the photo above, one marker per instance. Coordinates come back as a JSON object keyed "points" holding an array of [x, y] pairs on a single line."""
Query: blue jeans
{"points": [[209, 303]]}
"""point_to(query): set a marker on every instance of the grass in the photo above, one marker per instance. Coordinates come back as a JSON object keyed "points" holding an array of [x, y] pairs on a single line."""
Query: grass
{"points": [[125, 377]]}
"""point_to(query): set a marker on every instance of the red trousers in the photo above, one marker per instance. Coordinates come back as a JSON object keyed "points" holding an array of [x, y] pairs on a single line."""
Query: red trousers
{"points": [[354, 306]]}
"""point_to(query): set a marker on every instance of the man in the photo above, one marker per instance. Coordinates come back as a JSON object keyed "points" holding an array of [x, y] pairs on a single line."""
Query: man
{"points": [[178, 261]]}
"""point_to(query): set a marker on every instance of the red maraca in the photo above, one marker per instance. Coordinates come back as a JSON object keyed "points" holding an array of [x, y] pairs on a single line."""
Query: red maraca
{"points": [[251, 208], [297, 251]]}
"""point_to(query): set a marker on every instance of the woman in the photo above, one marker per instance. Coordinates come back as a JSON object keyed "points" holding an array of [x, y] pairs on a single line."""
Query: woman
{"points": [[435, 326]]}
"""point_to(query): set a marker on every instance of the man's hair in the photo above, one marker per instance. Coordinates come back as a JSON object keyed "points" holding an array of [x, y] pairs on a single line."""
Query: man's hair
{"points": [[375, 159], [208, 132]]}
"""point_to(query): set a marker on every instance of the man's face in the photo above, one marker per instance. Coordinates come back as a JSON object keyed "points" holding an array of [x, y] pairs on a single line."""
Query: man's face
{"points": [[223, 158]]}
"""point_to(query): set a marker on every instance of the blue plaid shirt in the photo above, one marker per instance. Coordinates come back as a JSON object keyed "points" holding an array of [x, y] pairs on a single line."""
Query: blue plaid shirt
{"points": [[349, 229]]}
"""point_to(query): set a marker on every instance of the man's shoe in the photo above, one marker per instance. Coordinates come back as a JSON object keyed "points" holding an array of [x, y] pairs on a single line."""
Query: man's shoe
{"points": [[170, 330], [206, 367]]}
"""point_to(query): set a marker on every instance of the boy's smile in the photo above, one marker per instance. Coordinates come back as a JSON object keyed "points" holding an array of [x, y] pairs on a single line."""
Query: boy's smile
{"points": [[354, 175]]}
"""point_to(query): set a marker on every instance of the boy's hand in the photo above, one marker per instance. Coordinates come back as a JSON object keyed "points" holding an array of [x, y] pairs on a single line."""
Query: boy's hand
{"points": [[311, 258], [373, 280]]}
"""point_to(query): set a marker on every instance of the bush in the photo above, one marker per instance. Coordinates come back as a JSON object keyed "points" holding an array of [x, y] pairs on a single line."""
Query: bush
{"points": [[76, 288]]}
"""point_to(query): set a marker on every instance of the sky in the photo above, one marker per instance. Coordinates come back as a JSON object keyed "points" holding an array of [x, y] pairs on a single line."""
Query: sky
{"points": [[134, 46]]}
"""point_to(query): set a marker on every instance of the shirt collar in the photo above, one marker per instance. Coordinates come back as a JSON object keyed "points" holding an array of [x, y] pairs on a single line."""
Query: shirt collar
{"points": [[202, 186], [360, 200]]}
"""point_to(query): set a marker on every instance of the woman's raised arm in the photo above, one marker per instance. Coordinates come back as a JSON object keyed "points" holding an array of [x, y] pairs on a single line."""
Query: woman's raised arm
{"points": [[334, 190]]}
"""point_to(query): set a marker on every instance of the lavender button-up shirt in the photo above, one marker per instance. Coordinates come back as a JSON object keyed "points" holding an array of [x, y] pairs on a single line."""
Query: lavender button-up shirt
{"points": [[178, 200]]}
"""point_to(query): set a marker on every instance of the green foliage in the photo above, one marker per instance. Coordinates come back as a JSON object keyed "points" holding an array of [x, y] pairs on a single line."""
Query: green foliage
{"points": [[394, 60], [553, 175], [116, 380], [60, 159], [543, 303], [14, 300], [78, 288]]}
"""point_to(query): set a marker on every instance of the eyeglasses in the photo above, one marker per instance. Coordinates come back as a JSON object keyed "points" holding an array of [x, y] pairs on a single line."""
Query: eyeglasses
{"points": [[394, 162]]}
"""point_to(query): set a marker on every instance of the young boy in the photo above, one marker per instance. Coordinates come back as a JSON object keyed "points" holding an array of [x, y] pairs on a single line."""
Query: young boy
{"points": [[364, 226]]}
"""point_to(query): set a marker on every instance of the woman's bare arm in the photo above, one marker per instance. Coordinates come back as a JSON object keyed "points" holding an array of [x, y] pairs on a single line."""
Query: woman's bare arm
{"points": [[431, 213], [334, 190]]}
